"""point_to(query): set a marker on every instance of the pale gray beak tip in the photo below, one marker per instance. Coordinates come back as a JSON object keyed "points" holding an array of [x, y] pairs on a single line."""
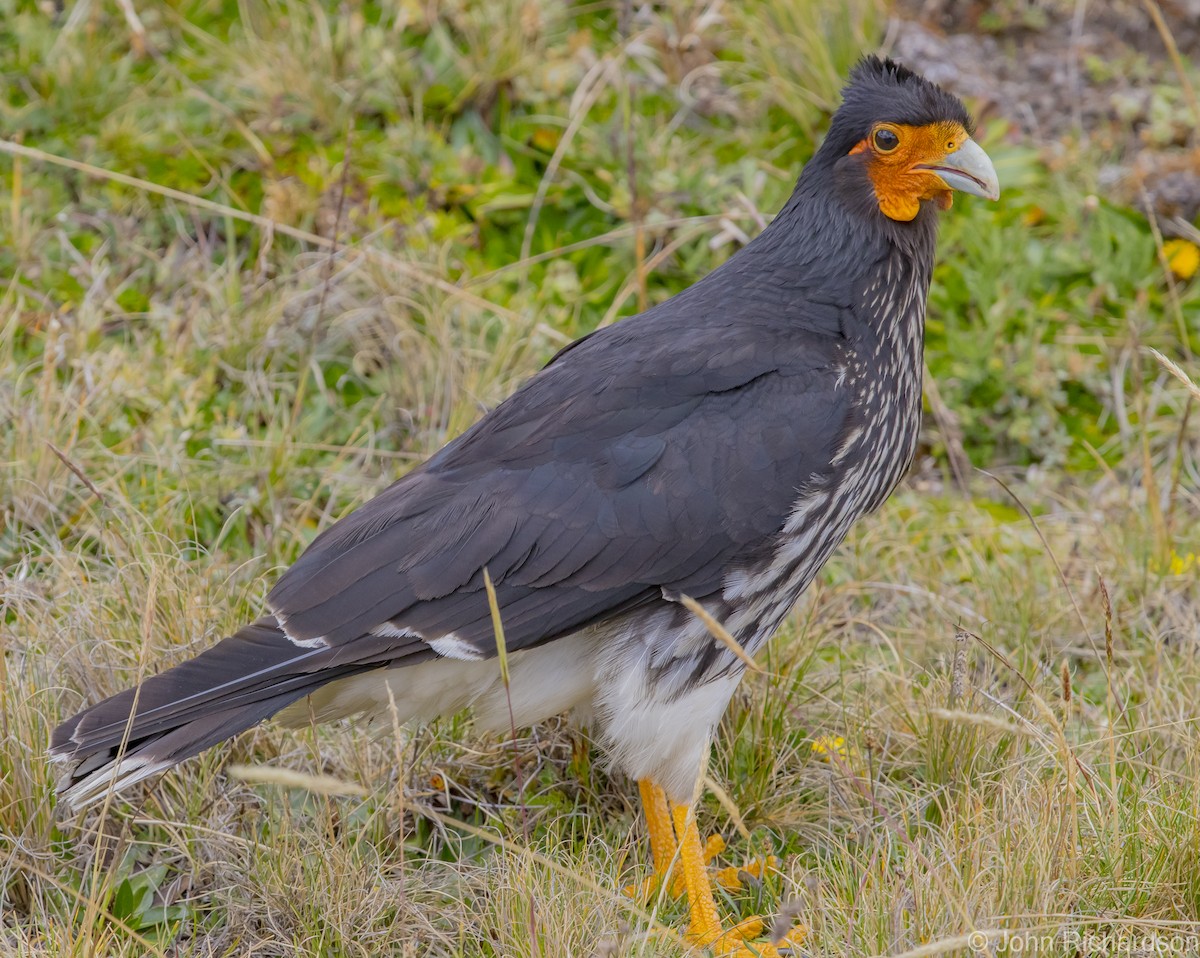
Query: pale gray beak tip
{"points": [[969, 170]]}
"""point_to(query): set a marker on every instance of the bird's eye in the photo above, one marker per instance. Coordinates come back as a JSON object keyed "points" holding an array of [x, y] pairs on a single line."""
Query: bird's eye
{"points": [[886, 140]]}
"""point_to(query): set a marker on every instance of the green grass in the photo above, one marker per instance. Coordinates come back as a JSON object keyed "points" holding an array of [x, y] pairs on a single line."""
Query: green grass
{"points": [[224, 389]]}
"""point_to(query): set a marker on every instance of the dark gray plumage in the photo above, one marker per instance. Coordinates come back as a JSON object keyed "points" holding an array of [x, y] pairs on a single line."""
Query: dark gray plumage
{"points": [[718, 446]]}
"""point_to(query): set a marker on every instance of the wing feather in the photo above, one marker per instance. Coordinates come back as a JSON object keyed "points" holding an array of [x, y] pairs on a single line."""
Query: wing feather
{"points": [[607, 479]]}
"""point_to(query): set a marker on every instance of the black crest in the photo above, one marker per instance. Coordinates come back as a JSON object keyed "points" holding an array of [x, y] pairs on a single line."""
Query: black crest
{"points": [[882, 90]]}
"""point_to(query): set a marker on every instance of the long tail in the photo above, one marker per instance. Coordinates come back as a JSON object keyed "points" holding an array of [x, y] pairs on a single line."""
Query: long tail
{"points": [[238, 683]]}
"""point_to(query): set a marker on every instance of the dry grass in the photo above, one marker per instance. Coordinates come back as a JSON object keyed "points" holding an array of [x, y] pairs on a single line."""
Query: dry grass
{"points": [[1015, 758]]}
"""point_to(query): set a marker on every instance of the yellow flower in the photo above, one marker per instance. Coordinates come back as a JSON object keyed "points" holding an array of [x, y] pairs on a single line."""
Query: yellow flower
{"points": [[1183, 257], [827, 745], [1181, 564]]}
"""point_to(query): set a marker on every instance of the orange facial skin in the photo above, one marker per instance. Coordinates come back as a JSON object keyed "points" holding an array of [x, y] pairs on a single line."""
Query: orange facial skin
{"points": [[900, 180]]}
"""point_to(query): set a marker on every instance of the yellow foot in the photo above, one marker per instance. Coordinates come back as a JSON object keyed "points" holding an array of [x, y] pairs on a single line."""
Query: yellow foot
{"points": [[704, 925], [739, 941], [680, 858], [733, 878]]}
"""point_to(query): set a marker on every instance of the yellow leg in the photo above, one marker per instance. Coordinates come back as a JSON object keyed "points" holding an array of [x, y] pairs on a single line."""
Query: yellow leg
{"points": [[663, 847], [680, 858], [704, 925], [658, 823]]}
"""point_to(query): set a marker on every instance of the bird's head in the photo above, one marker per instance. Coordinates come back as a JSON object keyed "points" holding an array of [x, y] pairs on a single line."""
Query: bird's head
{"points": [[907, 141]]}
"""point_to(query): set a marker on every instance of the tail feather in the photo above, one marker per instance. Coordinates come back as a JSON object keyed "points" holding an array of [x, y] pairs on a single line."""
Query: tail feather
{"points": [[253, 657], [238, 683], [119, 769]]}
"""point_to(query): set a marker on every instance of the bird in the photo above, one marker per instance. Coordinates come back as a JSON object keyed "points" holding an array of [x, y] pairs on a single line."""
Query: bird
{"points": [[708, 453]]}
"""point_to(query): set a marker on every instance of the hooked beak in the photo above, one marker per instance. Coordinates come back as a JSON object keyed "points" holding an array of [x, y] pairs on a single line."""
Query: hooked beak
{"points": [[968, 170]]}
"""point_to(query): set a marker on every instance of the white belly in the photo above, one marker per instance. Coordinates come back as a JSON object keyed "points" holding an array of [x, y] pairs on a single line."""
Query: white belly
{"points": [[649, 723]]}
